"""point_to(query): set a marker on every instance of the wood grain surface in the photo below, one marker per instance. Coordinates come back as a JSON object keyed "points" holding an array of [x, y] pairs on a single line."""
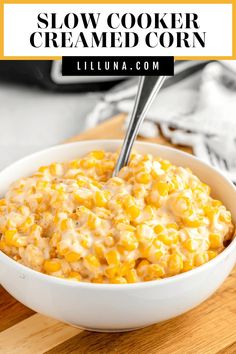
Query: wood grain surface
{"points": [[208, 329]]}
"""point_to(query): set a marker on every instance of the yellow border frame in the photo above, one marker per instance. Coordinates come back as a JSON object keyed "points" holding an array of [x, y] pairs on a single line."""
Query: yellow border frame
{"points": [[233, 2], [1, 30]]}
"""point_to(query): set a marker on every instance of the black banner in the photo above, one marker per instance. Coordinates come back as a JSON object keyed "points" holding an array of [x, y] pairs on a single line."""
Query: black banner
{"points": [[116, 66]]}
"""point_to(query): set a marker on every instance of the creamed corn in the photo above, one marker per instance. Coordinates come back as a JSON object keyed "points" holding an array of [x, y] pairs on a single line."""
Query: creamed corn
{"points": [[74, 220]]}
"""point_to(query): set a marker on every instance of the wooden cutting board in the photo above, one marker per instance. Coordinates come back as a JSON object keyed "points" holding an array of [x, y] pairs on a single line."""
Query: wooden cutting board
{"points": [[208, 329]]}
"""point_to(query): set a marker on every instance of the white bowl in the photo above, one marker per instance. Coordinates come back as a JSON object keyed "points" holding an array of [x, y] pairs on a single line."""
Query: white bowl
{"points": [[111, 307]]}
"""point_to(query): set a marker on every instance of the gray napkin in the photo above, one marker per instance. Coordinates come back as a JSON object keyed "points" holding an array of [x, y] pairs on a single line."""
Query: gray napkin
{"points": [[198, 111]]}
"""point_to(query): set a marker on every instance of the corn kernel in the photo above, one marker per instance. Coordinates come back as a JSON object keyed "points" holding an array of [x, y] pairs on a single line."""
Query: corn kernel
{"points": [[75, 275], [42, 184], [99, 249], [165, 165], [158, 229], [12, 239], [113, 257], [85, 241], [209, 211], [126, 200], [148, 212], [143, 177], [55, 239], [200, 258], [111, 271], [155, 271], [128, 241], [206, 188], [165, 239], [158, 254], [126, 267], [118, 280], [188, 265], [96, 184], [72, 257], [24, 210], [97, 154], [81, 183], [84, 200], [133, 212], [109, 241], [138, 191], [100, 199], [175, 264], [191, 245], [3, 202], [26, 224], [225, 217], [141, 268], [74, 164], [93, 221], [98, 280], [172, 226], [182, 206], [116, 181], [51, 266], [2, 245], [108, 165], [64, 225], [162, 187], [174, 185], [131, 276], [153, 199], [193, 222], [43, 169], [61, 249], [55, 169], [87, 163], [215, 240], [144, 234], [216, 203], [122, 226], [211, 254], [92, 261], [145, 250]]}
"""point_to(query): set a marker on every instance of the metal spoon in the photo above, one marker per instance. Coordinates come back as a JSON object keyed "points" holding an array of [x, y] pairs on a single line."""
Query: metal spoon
{"points": [[147, 90]]}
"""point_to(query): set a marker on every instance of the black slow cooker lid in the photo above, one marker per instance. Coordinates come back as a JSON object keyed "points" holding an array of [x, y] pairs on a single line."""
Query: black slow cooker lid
{"points": [[47, 74]]}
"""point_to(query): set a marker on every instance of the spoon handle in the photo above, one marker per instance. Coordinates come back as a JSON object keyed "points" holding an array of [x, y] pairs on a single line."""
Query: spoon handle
{"points": [[147, 89]]}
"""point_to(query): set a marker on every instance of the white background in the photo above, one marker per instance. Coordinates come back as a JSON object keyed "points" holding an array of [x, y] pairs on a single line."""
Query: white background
{"points": [[20, 20]]}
